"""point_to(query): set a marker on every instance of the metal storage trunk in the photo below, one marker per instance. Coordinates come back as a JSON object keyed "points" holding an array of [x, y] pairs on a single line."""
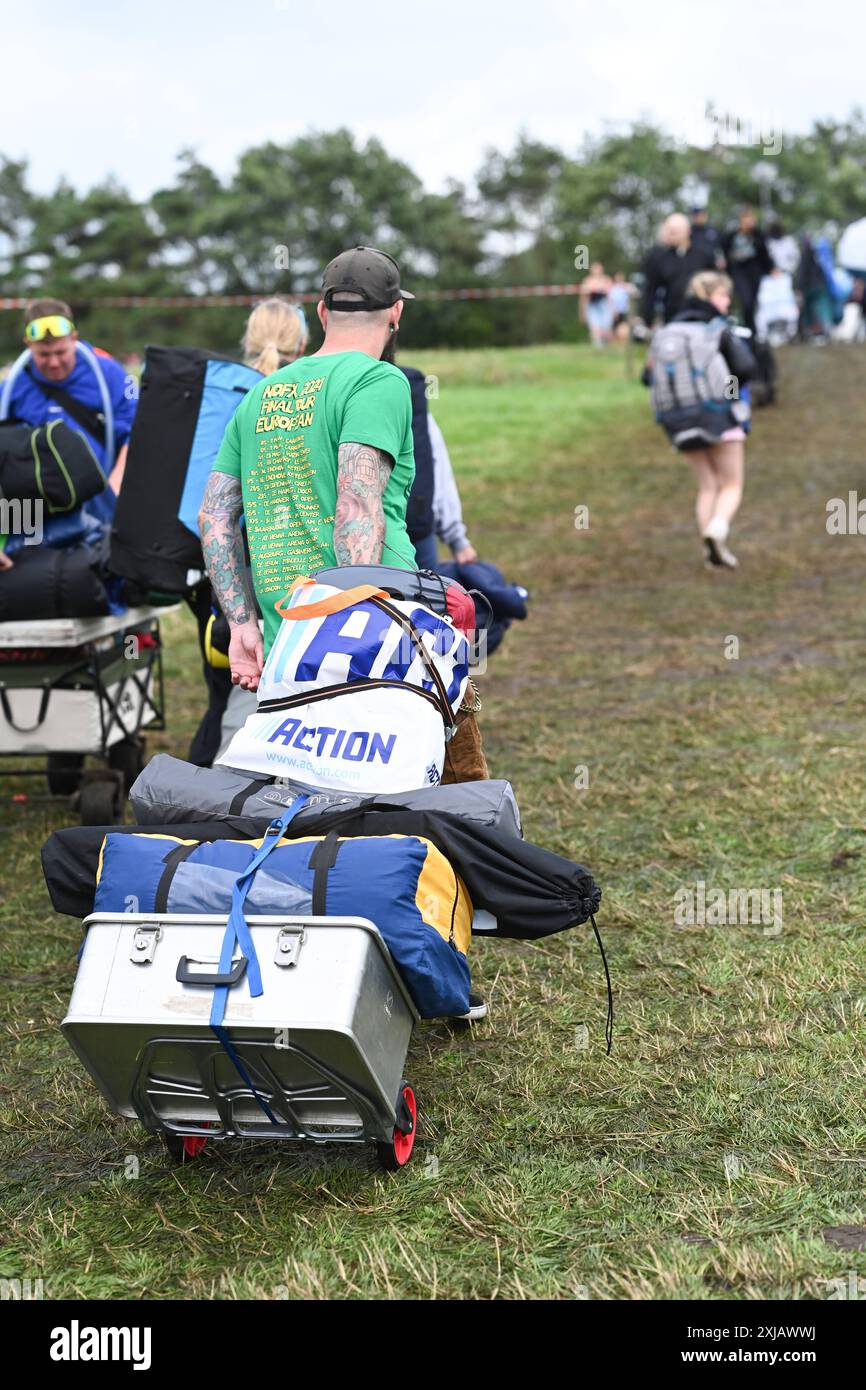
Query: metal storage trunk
{"points": [[324, 1045]]}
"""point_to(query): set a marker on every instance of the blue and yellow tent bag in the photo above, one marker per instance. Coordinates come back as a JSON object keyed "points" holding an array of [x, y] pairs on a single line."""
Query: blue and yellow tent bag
{"points": [[402, 883]]}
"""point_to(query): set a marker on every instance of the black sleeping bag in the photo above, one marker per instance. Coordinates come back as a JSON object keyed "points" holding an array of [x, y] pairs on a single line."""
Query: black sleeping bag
{"points": [[70, 858], [52, 463], [531, 891], [47, 583]]}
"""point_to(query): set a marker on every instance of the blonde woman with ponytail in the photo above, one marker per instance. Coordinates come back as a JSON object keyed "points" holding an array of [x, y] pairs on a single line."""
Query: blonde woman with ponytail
{"points": [[276, 334], [709, 422]]}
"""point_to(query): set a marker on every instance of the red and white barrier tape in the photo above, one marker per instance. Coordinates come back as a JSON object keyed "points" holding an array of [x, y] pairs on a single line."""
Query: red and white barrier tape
{"points": [[221, 301]]}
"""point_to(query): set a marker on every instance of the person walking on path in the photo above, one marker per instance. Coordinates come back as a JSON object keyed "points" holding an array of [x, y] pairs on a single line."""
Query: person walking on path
{"points": [[595, 306], [747, 260], [275, 334], [699, 369], [319, 460], [669, 268]]}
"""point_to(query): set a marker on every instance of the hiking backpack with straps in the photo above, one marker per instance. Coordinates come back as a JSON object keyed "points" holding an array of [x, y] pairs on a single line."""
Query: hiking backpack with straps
{"points": [[359, 691], [693, 391], [188, 397]]}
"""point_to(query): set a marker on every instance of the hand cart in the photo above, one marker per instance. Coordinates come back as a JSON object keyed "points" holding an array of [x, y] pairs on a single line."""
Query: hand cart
{"points": [[317, 1057], [77, 687]]}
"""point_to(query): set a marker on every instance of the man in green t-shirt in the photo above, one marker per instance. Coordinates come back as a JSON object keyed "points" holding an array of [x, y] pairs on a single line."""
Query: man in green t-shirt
{"points": [[317, 458]]}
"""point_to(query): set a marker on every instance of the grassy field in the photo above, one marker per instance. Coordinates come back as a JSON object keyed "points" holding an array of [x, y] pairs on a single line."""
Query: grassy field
{"points": [[716, 1153]]}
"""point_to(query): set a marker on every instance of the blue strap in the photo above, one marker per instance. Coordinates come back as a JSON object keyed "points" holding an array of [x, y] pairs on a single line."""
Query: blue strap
{"points": [[237, 931], [243, 1073]]}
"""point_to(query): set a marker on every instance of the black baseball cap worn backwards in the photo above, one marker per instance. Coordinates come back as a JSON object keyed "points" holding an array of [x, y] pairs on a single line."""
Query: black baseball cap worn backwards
{"points": [[372, 274]]}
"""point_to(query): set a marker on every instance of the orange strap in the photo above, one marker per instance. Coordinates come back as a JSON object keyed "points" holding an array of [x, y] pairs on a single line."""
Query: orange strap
{"points": [[343, 598]]}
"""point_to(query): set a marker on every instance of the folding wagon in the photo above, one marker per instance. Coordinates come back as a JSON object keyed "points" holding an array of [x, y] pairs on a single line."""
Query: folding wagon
{"points": [[77, 687]]}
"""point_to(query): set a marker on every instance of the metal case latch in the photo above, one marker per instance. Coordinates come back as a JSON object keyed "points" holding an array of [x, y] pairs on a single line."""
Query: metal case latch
{"points": [[289, 943], [144, 944]]}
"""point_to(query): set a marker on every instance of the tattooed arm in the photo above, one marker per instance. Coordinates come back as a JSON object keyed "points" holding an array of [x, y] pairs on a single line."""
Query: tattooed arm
{"points": [[359, 518], [221, 541]]}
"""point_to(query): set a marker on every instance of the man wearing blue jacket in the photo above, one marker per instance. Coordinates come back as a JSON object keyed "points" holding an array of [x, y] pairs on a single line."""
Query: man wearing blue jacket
{"points": [[61, 381]]}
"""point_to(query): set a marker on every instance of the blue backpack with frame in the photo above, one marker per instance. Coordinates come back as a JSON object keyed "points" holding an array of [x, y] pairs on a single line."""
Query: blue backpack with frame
{"points": [[188, 396]]}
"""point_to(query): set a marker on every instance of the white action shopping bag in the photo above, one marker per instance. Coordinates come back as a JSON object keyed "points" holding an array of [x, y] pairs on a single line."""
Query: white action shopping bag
{"points": [[357, 691]]}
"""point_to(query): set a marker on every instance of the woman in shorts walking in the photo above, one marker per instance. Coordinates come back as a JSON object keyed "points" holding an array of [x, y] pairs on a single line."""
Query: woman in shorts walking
{"points": [[699, 369]]}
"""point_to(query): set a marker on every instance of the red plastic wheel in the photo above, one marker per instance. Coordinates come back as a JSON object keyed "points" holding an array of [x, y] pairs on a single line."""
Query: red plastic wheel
{"points": [[193, 1144], [397, 1153]]}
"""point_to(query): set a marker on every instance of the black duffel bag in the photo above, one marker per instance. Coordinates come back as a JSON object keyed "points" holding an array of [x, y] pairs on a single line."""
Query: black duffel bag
{"points": [[52, 463]]}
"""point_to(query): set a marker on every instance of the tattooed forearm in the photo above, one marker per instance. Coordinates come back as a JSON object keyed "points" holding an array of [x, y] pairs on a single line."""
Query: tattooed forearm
{"points": [[359, 518], [223, 547]]}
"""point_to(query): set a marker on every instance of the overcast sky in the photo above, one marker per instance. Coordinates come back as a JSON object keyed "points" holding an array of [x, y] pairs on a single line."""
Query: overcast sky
{"points": [[95, 88]]}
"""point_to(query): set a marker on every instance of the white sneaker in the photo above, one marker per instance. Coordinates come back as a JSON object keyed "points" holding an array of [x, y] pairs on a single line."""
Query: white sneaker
{"points": [[715, 535], [477, 1009]]}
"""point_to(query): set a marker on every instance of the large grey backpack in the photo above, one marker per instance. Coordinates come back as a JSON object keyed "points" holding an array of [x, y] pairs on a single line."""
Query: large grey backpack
{"points": [[692, 388]]}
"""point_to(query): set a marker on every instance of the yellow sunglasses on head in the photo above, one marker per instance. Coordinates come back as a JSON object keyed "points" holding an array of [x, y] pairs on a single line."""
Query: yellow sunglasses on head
{"points": [[55, 324]]}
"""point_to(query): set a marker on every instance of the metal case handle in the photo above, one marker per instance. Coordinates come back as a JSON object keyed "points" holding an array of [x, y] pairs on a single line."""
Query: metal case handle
{"points": [[185, 976]]}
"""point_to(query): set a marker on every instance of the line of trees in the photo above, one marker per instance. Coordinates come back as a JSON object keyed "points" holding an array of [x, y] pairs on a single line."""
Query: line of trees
{"points": [[287, 209]]}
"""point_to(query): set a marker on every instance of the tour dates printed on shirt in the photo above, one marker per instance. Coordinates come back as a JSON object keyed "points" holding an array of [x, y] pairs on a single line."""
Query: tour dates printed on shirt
{"points": [[282, 508]]}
